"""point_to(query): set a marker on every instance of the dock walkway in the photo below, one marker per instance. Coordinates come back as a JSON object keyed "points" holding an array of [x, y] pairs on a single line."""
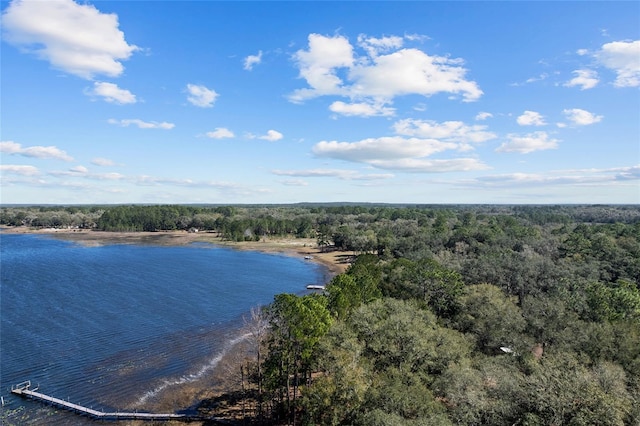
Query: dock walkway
{"points": [[23, 390]]}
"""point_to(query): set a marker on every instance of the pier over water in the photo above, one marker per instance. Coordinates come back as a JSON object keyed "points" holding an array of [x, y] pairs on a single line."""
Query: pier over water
{"points": [[24, 390]]}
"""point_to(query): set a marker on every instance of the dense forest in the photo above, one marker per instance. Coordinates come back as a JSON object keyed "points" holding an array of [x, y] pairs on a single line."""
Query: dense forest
{"points": [[492, 315]]}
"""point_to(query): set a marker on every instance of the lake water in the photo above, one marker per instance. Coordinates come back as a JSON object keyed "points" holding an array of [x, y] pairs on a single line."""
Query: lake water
{"points": [[109, 326]]}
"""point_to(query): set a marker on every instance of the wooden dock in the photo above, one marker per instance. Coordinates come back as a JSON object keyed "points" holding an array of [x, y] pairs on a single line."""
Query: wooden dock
{"points": [[24, 390]]}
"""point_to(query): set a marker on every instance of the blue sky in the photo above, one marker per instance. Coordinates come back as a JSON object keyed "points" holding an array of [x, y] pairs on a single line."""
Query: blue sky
{"points": [[283, 102]]}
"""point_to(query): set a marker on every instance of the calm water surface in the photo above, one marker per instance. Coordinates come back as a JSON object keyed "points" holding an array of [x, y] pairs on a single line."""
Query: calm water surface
{"points": [[110, 326]]}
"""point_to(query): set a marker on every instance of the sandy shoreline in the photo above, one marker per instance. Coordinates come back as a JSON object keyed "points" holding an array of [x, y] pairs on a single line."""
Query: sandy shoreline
{"points": [[225, 376], [336, 262]]}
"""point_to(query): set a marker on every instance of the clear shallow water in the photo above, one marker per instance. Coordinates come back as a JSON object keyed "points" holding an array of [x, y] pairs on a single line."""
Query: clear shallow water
{"points": [[111, 326]]}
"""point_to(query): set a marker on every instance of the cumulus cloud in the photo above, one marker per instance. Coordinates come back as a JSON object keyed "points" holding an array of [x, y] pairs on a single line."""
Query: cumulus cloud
{"points": [[272, 136], [220, 133], [19, 170], [623, 57], [525, 144], [75, 38], [200, 96], [318, 66], [110, 92], [580, 117], [374, 46], [483, 116], [252, 60], [374, 149], [411, 71], [385, 70], [141, 124], [361, 109], [398, 153], [43, 152], [531, 118], [449, 130], [411, 149], [585, 79]]}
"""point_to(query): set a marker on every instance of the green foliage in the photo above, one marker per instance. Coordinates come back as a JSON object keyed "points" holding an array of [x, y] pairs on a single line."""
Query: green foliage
{"points": [[563, 391], [398, 334], [487, 392], [296, 326], [424, 280], [403, 396], [146, 218], [380, 363], [614, 301], [359, 285], [336, 396], [491, 317]]}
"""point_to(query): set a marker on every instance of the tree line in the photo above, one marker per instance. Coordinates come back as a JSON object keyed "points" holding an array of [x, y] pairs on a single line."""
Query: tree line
{"points": [[465, 317]]}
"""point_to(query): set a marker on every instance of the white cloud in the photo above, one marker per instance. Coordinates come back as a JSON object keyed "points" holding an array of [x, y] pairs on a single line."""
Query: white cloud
{"points": [[483, 116], [220, 133], [421, 165], [201, 96], [531, 118], [628, 173], [333, 173], [252, 60], [541, 77], [19, 170], [107, 176], [453, 131], [112, 93], [536, 141], [361, 109], [623, 57], [581, 117], [314, 173], [272, 136], [417, 37], [103, 162], [410, 149], [374, 149], [411, 71], [294, 182], [79, 169], [141, 124], [44, 152], [586, 79], [562, 177], [375, 46], [331, 68], [75, 38], [319, 64], [83, 172]]}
